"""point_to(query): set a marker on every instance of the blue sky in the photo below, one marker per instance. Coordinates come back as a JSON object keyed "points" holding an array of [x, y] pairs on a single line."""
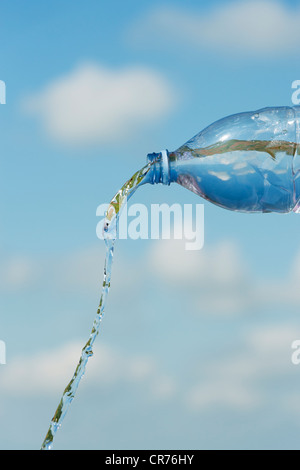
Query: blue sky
{"points": [[195, 347]]}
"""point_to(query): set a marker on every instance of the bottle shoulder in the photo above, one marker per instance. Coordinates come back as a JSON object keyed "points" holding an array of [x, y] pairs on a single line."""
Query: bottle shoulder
{"points": [[267, 124]]}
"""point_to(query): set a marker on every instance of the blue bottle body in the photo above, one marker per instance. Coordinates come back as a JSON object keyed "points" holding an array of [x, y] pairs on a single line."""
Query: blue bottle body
{"points": [[247, 162]]}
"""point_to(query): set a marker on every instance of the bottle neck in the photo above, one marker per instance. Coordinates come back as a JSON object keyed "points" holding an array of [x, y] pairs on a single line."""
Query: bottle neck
{"points": [[160, 170]]}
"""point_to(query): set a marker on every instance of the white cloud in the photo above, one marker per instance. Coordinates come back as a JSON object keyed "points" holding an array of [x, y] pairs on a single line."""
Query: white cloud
{"points": [[83, 270], [238, 381], [250, 27], [42, 373], [215, 278], [222, 263], [18, 272], [94, 104], [48, 372], [223, 393]]}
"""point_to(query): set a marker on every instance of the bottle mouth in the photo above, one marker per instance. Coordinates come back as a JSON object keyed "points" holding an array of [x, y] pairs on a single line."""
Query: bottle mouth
{"points": [[161, 167]]}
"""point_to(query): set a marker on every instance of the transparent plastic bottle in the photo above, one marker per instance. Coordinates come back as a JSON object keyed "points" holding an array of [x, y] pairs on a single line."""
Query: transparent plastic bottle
{"points": [[247, 162]]}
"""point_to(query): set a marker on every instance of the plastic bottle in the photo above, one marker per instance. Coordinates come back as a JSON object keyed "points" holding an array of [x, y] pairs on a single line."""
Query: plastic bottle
{"points": [[247, 162]]}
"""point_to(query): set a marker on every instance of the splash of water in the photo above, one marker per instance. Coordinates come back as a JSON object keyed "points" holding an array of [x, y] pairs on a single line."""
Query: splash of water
{"points": [[110, 233]]}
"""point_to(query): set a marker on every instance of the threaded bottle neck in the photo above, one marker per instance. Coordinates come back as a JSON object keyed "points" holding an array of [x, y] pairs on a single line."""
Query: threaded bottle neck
{"points": [[160, 172]]}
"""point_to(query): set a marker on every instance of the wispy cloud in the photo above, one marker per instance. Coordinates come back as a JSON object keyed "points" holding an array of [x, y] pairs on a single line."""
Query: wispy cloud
{"points": [[48, 372], [238, 381], [218, 280], [215, 280], [249, 28], [235, 381], [18, 272], [97, 105]]}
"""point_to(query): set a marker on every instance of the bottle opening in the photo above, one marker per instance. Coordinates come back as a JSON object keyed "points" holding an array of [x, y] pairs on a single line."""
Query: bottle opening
{"points": [[160, 167]]}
